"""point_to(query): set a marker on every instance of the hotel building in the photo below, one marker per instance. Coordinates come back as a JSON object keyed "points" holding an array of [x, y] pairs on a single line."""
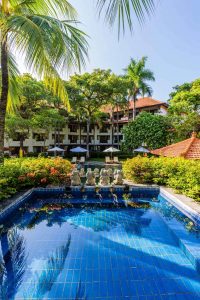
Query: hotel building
{"points": [[75, 134]]}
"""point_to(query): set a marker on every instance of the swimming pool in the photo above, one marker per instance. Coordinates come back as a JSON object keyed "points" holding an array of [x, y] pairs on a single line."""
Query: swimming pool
{"points": [[57, 248]]}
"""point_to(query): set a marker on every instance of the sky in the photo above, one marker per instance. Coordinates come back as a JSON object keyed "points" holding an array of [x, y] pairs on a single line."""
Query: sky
{"points": [[170, 39]]}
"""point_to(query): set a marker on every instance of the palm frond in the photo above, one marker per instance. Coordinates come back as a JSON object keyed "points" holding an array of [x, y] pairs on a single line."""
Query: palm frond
{"points": [[14, 88], [122, 10], [56, 8], [50, 47], [13, 92]]}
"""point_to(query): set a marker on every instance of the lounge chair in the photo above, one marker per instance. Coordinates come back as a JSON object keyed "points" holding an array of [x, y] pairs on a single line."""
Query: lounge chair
{"points": [[115, 160], [74, 160], [82, 160], [107, 160]]}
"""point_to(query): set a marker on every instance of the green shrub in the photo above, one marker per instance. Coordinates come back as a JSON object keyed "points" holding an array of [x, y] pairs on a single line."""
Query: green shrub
{"points": [[17, 174], [178, 173]]}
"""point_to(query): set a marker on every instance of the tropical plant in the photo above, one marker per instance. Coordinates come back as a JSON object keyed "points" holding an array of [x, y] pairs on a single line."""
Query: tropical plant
{"points": [[184, 109], [19, 173], [178, 173], [138, 77], [49, 46], [123, 10], [152, 130]]}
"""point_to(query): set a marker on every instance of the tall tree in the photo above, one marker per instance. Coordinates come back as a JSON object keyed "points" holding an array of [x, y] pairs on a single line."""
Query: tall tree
{"points": [[146, 128], [89, 92], [48, 44], [117, 100], [138, 75], [184, 109]]}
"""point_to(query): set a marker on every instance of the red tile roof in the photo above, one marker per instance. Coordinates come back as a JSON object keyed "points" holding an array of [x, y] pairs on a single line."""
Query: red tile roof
{"points": [[189, 149], [146, 102], [140, 103]]}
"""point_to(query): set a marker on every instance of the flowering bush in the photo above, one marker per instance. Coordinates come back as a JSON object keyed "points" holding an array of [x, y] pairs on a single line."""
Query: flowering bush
{"points": [[178, 173], [18, 173]]}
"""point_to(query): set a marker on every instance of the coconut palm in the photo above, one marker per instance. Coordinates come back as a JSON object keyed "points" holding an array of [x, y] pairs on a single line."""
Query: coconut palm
{"points": [[32, 29], [45, 34], [124, 10], [138, 76]]}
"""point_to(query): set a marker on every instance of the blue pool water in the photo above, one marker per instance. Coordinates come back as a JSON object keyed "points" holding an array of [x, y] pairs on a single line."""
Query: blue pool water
{"points": [[50, 250]]}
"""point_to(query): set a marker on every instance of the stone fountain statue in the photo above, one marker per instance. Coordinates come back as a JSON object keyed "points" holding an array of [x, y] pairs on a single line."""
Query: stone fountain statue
{"points": [[90, 178], [96, 172], [82, 172], [75, 178], [110, 172], [104, 178], [118, 178]]}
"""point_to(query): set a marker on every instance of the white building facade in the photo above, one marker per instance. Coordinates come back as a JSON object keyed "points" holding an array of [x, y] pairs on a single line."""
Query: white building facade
{"points": [[75, 134]]}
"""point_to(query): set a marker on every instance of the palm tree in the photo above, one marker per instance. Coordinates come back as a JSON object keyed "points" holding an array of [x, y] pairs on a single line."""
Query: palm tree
{"points": [[138, 76], [32, 30], [124, 10]]}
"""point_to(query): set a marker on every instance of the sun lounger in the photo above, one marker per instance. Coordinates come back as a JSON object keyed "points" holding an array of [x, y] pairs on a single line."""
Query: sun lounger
{"points": [[107, 160], [74, 160], [115, 160], [82, 160]]}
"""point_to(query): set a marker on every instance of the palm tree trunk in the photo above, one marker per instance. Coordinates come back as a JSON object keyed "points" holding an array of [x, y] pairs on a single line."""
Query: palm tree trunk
{"points": [[4, 93], [88, 137], [117, 127], [80, 133], [134, 106], [21, 145], [112, 129]]}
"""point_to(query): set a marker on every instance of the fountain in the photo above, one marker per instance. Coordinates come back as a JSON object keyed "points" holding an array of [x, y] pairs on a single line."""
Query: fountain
{"points": [[104, 178], [96, 172], [90, 178], [99, 196], [75, 178], [82, 172], [118, 178], [110, 173], [115, 199]]}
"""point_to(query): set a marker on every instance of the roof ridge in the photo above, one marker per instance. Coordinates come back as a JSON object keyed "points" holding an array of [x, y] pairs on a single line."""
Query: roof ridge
{"points": [[193, 138], [181, 142]]}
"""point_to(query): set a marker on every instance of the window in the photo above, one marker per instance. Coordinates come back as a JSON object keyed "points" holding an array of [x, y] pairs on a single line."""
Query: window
{"points": [[116, 139], [59, 138], [73, 139], [73, 127], [103, 139], [104, 129], [39, 137]]}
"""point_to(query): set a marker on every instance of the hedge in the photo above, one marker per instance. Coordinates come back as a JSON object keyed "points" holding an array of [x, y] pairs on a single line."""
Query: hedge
{"points": [[178, 173], [17, 174]]}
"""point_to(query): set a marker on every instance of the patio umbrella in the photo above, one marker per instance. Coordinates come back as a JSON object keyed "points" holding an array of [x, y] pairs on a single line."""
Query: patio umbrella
{"points": [[141, 150], [111, 150], [55, 149], [78, 150]]}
